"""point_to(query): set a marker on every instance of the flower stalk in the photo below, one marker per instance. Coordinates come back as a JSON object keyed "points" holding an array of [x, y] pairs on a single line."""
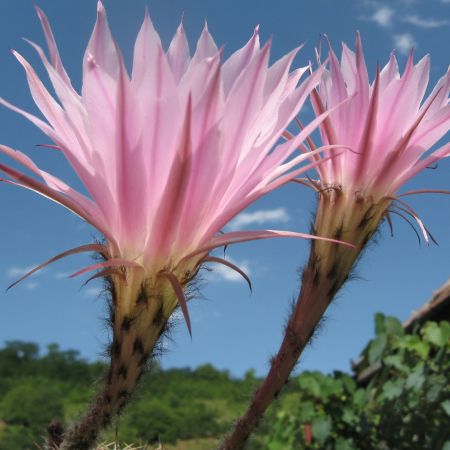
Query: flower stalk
{"points": [[140, 312], [329, 265], [390, 131]]}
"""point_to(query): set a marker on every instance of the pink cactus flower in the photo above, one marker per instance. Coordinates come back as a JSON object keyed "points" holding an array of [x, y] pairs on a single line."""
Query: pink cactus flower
{"points": [[168, 154], [171, 153], [388, 125], [390, 131]]}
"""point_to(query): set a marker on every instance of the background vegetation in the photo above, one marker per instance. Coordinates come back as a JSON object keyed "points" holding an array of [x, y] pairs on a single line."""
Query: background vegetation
{"points": [[404, 405]]}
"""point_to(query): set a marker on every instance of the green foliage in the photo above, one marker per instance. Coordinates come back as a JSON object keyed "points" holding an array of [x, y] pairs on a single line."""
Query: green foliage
{"points": [[32, 403], [178, 404], [404, 406], [16, 437]]}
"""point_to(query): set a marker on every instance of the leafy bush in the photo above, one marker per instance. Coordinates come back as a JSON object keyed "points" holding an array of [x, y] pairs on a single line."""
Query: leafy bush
{"points": [[405, 405]]}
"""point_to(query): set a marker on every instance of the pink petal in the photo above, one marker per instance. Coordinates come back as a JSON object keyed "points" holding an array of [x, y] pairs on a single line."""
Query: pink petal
{"points": [[53, 48], [235, 237], [180, 296], [232, 266], [178, 54], [73, 251], [114, 262]]}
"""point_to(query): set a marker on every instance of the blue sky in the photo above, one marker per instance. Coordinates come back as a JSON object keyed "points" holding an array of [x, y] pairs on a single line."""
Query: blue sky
{"points": [[231, 329]]}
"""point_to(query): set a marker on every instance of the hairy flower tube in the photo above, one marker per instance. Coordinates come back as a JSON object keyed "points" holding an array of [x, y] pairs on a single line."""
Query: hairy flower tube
{"points": [[168, 155], [390, 130]]}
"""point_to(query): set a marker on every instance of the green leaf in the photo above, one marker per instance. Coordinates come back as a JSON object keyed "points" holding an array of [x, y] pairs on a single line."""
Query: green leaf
{"points": [[349, 416], [377, 347], [310, 383], [344, 444], [446, 406], [393, 326], [415, 344], [306, 411], [321, 427], [395, 361], [434, 392], [416, 378], [392, 389], [276, 446], [435, 334], [446, 446], [379, 323]]}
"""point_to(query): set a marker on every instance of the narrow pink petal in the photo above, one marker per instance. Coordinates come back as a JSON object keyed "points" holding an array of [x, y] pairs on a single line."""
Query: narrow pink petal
{"points": [[440, 153], [73, 251], [232, 266], [242, 106], [69, 98], [146, 50], [23, 180], [173, 280], [207, 160], [236, 63], [235, 237], [52, 47], [178, 54], [367, 143], [424, 191], [174, 194], [338, 92], [114, 262], [389, 72], [278, 73], [43, 126], [408, 209], [107, 273], [206, 47], [101, 51], [430, 131], [45, 102]]}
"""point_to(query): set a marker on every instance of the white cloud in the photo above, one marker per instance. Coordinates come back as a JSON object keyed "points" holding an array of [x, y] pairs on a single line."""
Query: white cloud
{"points": [[62, 275], [426, 23], [17, 272], [383, 16], [31, 286], [445, 1], [260, 217], [224, 273], [92, 291], [404, 42]]}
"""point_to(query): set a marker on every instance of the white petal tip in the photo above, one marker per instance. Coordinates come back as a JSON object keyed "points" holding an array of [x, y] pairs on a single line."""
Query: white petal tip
{"points": [[100, 8]]}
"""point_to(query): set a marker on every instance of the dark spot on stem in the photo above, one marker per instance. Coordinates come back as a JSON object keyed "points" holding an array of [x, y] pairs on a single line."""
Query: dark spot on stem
{"points": [[123, 394], [122, 371], [126, 323], [365, 220], [142, 297], [142, 361], [338, 233], [365, 240], [332, 273], [316, 277], [332, 291], [158, 319], [138, 346], [115, 348]]}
